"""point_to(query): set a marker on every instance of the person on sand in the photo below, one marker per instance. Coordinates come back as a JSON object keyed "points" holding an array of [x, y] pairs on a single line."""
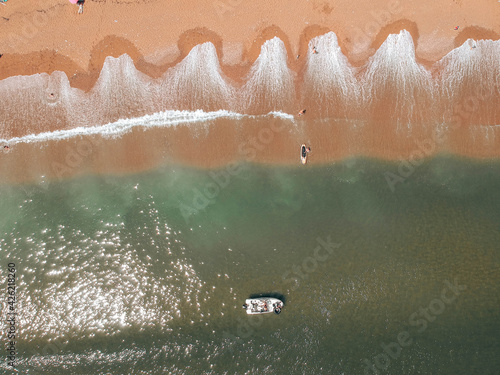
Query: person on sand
{"points": [[6, 148], [80, 6], [456, 27], [302, 112]]}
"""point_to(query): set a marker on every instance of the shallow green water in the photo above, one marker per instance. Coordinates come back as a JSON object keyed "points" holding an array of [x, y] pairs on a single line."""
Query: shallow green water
{"points": [[146, 274]]}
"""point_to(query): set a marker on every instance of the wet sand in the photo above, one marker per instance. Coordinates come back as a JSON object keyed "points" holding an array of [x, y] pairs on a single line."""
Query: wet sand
{"points": [[224, 142]]}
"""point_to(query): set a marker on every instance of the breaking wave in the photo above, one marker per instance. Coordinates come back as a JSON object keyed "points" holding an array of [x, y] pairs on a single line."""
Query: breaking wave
{"points": [[122, 126]]}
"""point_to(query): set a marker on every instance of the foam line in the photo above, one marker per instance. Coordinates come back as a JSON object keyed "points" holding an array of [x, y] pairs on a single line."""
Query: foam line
{"points": [[122, 126]]}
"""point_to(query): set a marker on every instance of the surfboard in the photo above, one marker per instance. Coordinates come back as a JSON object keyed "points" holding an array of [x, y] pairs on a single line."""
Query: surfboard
{"points": [[303, 154]]}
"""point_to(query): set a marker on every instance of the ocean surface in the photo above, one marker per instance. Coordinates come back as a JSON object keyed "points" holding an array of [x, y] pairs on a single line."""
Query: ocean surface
{"points": [[146, 273]]}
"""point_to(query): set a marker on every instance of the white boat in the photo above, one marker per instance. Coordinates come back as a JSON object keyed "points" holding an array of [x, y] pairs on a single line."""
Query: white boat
{"points": [[263, 305]]}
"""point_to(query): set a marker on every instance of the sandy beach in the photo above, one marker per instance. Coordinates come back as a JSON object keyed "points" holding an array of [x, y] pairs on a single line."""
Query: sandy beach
{"points": [[158, 36]]}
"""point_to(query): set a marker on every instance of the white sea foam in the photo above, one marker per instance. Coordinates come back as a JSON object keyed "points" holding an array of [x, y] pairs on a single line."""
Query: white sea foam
{"points": [[485, 136], [393, 73], [120, 91], [270, 83], [196, 82], [470, 79], [36, 102], [329, 78], [476, 62], [160, 119]]}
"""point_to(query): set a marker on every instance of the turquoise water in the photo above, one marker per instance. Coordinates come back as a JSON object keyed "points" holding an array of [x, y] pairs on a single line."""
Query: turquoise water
{"points": [[146, 273]]}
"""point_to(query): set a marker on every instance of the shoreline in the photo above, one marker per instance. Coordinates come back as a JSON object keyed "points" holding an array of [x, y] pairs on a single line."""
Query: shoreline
{"points": [[221, 144]]}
